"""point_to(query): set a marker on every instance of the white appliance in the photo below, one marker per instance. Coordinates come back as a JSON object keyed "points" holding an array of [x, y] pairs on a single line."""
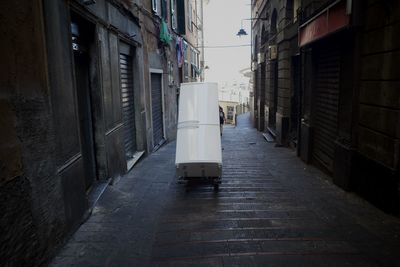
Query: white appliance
{"points": [[198, 145]]}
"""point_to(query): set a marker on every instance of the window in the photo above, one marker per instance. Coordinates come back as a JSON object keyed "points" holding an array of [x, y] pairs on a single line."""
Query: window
{"points": [[186, 62], [194, 15], [255, 48], [194, 63], [264, 36], [164, 11], [274, 25], [296, 6], [154, 6], [289, 10], [192, 55], [230, 113], [190, 15], [160, 8], [174, 23], [170, 73]]}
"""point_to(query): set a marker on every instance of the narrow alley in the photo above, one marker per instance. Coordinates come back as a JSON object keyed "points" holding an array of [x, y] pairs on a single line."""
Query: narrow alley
{"points": [[271, 210]]}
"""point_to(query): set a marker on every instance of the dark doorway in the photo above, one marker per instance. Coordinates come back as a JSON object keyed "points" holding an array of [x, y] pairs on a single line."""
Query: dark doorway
{"points": [[274, 22], [82, 38], [256, 86], [274, 82], [295, 100], [262, 98]]}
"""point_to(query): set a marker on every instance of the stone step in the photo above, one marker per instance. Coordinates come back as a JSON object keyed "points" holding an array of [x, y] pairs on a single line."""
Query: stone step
{"points": [[268, 137]]}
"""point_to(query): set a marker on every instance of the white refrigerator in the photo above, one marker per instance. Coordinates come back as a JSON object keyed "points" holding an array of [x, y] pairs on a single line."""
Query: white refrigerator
{"points": [[198, 145]]}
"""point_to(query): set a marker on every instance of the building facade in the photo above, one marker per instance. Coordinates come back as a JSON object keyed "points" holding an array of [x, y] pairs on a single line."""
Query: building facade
{"points": [[88, 87], [275, 64], [172, 34], [325, 83]]}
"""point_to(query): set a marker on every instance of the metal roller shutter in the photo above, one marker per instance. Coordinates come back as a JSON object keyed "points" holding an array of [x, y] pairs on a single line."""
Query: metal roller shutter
{"points": [[156, 108], [128, 105], [326, 106]]}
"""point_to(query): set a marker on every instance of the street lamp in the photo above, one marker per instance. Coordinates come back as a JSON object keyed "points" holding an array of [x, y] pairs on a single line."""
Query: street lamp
{"points": [[242, 32]]}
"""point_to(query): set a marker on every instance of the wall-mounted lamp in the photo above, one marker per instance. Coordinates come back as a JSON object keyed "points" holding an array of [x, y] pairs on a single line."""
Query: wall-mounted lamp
{"points": [[242, 32]]}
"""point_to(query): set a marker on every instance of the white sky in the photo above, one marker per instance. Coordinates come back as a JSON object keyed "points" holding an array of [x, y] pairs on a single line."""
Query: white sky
{"points": [[222, 21]]}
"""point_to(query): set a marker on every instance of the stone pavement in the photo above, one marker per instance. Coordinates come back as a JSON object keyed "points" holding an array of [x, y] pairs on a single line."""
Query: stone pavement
{"points": [[271, 210]]}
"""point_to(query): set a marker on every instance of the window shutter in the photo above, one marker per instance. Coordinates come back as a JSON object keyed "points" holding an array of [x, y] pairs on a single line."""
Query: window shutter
{"points": [[181, 16]]}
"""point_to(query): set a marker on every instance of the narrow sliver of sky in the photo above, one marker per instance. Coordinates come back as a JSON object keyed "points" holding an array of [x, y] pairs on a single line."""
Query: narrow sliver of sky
{"points": [[222, 21]]}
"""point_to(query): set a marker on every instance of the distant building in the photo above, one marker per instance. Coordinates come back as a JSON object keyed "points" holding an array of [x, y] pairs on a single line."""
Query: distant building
{"points": [[229, 108], [275, 59]]}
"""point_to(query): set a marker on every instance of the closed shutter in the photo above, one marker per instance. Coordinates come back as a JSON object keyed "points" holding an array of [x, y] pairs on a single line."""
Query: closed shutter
{"points": [[326, 106], [180, 5], [128, 105], [156, 108]]}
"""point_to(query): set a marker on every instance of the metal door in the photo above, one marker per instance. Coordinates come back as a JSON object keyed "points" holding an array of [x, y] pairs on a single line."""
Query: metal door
{"points": [[156, 108], [325, 110], [128, 105]]}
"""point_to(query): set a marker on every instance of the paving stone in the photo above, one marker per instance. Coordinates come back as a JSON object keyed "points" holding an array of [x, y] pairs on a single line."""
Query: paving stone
{"points": [[271, 210]]}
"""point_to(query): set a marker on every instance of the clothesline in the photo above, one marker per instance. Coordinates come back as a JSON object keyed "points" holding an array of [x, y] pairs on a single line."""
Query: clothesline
{"points": [[224, 46]]}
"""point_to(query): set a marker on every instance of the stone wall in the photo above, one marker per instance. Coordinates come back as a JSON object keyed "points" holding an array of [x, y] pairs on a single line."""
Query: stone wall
{"points": [[376, 166], [379, 103], [29, 184]]}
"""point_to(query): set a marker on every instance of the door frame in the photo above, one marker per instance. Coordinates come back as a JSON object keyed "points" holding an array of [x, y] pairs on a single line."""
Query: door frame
{"points": [[81, 19]]}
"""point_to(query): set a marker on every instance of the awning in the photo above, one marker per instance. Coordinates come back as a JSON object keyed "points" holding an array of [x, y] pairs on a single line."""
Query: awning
{"points": [[328, 21]]}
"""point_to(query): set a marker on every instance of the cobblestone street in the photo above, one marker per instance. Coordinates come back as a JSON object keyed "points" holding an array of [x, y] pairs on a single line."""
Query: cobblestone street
{"points": [[271, 210]]}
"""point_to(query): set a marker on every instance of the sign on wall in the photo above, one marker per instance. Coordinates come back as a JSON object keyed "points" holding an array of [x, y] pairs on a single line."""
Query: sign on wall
{"points": [[273, 52]]}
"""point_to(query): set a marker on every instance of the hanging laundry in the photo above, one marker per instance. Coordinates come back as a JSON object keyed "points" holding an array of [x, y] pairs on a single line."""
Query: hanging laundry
{"points": [[165, 36]]}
